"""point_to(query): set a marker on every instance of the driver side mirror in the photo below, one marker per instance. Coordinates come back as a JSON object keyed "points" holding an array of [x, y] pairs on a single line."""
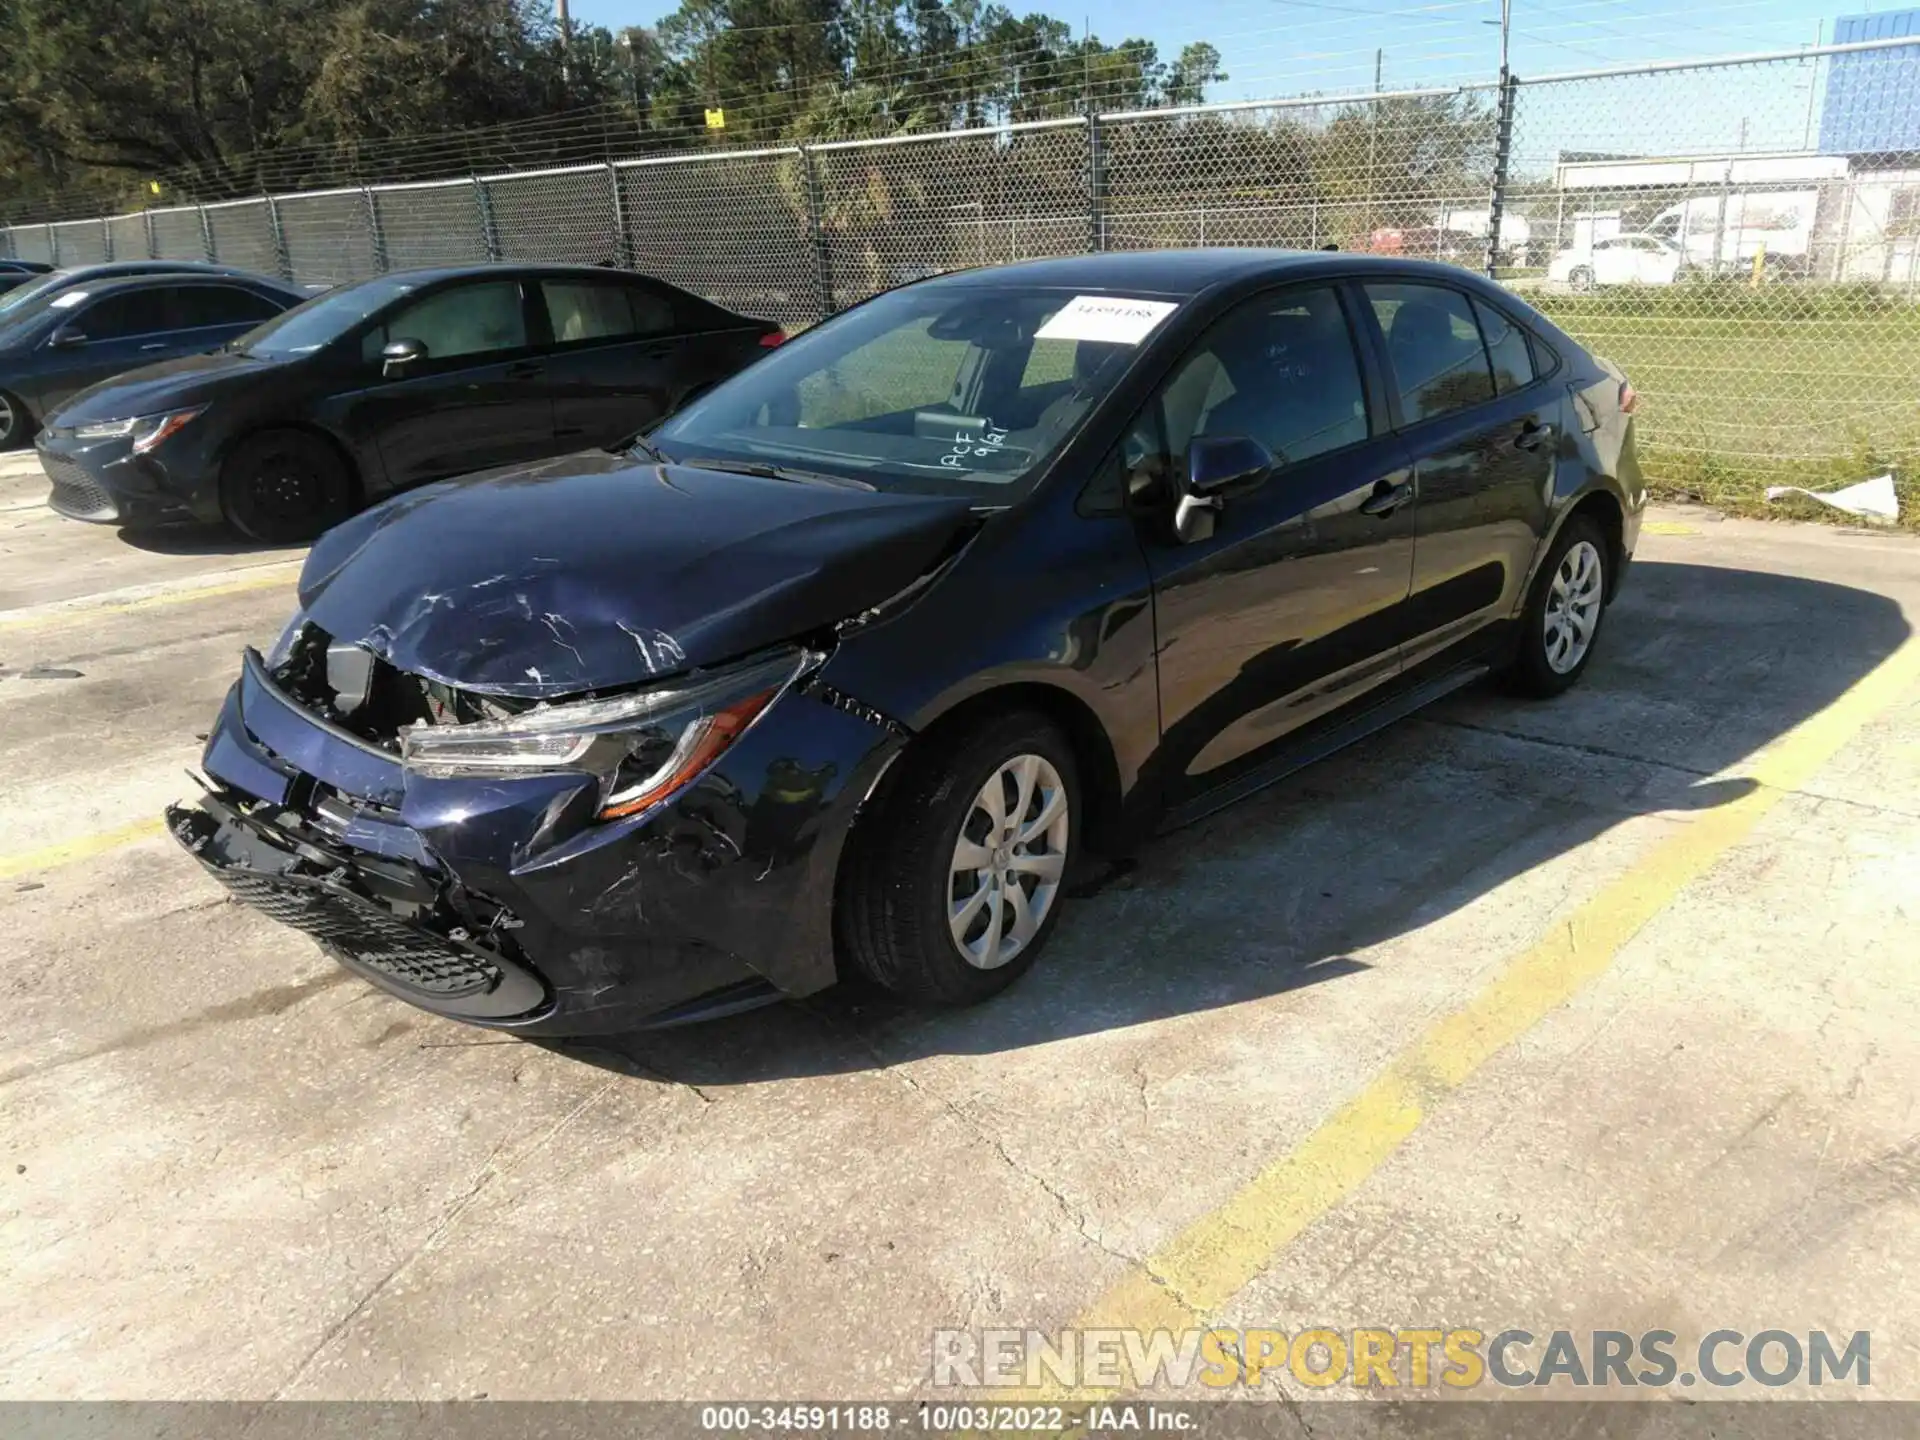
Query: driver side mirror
{"points": [[67, 337], [401, 356], [1218, 468]]}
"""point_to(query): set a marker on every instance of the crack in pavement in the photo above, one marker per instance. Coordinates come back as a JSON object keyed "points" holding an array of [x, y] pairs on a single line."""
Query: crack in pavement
{"points": [[482, 1180], [1074, 1214], [1605, 753]]}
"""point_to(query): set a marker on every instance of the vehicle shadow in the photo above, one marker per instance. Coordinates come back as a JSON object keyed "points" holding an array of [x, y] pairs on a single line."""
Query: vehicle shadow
{"points": [[195, 540], [1699, 668]]}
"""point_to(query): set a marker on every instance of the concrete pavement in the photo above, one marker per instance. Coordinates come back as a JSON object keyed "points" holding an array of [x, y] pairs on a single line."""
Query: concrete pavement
{"points": [[1677, 909]]}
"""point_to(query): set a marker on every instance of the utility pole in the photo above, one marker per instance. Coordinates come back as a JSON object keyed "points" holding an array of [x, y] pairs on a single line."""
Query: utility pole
{"points": [[1373, 142], [1503, 142], [566, 44]]}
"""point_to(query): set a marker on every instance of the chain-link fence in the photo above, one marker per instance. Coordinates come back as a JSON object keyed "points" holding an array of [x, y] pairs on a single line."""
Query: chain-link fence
{"points": [[1742, 235]]}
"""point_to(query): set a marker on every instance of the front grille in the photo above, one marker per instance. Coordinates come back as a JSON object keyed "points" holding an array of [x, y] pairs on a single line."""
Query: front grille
{"points": [[75, 491]]}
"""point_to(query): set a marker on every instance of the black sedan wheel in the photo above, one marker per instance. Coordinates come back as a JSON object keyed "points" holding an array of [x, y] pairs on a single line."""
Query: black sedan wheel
{"points": [[15, 424], [284, 486], [957, 879], [1564, 612]]}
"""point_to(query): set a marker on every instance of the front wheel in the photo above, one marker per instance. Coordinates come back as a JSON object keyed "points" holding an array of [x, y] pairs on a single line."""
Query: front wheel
{"points": [[1581, 278], [1564, 612], [284, 486], [956, 882], [16, 425]]}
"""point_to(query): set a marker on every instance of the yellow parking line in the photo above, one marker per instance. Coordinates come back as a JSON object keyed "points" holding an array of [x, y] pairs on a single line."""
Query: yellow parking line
{"points": [[259, 577], [1195, 1275], [52, 857]]}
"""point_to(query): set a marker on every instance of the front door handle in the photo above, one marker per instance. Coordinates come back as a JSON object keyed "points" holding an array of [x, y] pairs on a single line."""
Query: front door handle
{"points": [[1533, 435], [1387, 498], [526, 370], [158, 345]]}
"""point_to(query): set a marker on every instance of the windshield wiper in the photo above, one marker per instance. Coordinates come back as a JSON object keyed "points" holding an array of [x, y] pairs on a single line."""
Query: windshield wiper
{"points": [[765, 471]]}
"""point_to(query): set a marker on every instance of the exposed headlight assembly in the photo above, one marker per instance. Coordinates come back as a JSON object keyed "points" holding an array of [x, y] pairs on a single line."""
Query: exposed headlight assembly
{"points": [[147, 431], [642, 746]]}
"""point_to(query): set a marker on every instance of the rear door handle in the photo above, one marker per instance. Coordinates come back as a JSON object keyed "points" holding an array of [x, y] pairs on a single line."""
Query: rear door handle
{"points": [[526, 370], [161, 345], [1533, 435], [1387, 498]]}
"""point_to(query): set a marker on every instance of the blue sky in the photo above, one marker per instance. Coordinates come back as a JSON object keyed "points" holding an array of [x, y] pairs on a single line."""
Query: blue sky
{"points": [[1282, 47]]}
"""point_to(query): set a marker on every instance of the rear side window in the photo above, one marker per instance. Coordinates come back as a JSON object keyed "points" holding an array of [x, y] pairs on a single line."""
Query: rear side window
{"points": [[205, 305], [1433, 343], [581, 311], [132, 312], [1506, 348]]}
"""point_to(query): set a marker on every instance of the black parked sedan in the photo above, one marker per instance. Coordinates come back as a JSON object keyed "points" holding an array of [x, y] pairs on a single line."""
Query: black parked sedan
{"points": [[386, 384], [850, 662], [73, 329]]}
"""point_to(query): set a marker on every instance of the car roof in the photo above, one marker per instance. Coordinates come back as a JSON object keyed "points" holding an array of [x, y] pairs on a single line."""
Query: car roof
{"points": [[1187, 272], [147, 267], [107, 284], [426, 275], [126, 284]]}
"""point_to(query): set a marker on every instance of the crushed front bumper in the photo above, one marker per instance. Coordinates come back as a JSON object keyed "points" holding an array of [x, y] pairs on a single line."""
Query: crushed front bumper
{"points": [[390, 921], [506, 903]]}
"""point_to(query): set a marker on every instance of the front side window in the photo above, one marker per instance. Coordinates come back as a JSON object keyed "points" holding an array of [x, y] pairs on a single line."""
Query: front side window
{"points": [[130, 313], [464, 320], [1434, 346], [1280, 369], [948, 388]]}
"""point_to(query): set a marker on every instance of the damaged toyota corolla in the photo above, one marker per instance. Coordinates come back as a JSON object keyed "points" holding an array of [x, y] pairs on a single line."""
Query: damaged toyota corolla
{"points": [[856, 662]]}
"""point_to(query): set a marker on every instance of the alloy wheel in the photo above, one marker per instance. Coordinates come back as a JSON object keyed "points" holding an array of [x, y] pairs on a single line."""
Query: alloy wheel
{"points": [[1573, 606], [8, 419], [1008, 861]]}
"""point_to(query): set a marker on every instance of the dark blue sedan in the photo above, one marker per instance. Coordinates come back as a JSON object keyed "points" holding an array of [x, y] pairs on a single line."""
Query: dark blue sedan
{"points": [[71, 329], [848, 666]]}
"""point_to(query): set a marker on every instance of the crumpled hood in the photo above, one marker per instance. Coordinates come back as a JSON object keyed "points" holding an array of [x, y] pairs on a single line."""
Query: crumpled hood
{"points": [[596, 570], [155, 389]]}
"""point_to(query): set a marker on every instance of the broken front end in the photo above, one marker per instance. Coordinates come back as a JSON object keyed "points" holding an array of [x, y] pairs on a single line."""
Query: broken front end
{"points": [[643, 856]]}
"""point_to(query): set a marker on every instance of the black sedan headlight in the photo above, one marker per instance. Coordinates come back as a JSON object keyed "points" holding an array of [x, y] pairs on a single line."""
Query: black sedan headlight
{"points": [[642, 747], [147, 430]]}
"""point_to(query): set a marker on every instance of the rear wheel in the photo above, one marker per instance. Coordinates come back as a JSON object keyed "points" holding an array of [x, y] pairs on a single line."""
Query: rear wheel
{"points": [[1564, 612], [957, 881], [284, 486], [1580, 277], [16, 425]]}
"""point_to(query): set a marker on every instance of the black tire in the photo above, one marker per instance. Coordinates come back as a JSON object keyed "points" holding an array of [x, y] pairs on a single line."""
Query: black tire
{"points": [[283, 486], [1535, 670], [900, 879], [16, 422]]}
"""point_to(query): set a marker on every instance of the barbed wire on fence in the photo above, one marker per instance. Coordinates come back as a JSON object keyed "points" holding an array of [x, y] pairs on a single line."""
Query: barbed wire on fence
{"points": [[1743, 236]]}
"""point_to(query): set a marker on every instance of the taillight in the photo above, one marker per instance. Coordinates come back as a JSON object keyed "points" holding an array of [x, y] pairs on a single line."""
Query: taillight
{"points": [[773, 339], [1629, 398]]}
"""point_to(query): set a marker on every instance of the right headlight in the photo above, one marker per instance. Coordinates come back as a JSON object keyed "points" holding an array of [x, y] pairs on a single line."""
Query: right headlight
{"points": [[641, 747]]}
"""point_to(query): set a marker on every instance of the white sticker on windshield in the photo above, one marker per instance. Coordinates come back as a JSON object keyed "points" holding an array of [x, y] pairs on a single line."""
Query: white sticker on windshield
{"points": [[67, 300], [1110, 319]]}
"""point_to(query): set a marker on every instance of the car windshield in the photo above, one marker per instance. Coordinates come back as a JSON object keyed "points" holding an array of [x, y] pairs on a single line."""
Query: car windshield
{"points": [[318, 322], [952, 389], [26, 298]]}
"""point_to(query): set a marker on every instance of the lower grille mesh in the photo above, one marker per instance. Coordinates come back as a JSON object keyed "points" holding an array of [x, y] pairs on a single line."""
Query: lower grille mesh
{"points": [[366, 934], [74, 491]]}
